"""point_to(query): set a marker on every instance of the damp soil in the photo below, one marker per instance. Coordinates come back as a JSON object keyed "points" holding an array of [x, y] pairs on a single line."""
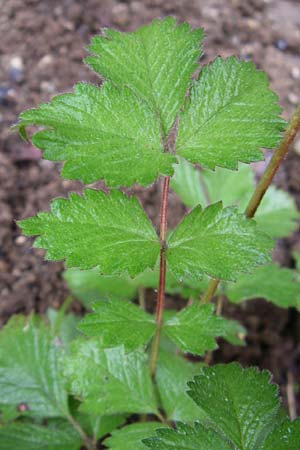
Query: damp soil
{"points": [[41, 50]]}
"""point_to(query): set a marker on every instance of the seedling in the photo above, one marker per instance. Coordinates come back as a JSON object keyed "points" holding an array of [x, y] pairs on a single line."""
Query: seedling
{"points": [[150, 119]]}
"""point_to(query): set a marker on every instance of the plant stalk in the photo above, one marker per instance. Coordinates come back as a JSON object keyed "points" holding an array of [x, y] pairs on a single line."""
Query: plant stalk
{"points": [[87, 442], [162, 275], [263, 185]]}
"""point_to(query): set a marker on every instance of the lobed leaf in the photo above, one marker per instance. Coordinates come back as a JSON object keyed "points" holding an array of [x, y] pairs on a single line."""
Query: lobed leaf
{"points": [[118, 322], [273, 283], [229, 116], [110, 232], [30, 369], [156, 61], [241, 403], [284, 437], [218, 242], [109, 381]]}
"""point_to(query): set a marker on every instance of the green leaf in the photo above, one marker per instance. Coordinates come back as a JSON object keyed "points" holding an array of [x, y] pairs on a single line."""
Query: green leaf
{"points": [[89, 286], [284, 437], [117, 322], [276, 284], [230, 115], [186, 437], [195, 328], [98, 426], [218, 242], [235, 333], [58, 435], [276, 215], [156, 62], [110, 381], [110, 232], [30, 369], [173, 373], [106, 133], [130, 437], [241, 403], [63, 326]]}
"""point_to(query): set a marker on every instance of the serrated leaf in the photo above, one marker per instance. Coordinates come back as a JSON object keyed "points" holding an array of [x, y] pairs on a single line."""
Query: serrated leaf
{"points": [[195, 328], [27, 436], [106, 133], [277, 213], [276, 284], [89, 286], [186, 437], [110, 381], [218, 242], [240, 402], [275, 216], [173, 373], [230, 115], [110, 232], [30, 369], [235, 333], [117, 322], [156, 62], [284, 437], [130, 437]]}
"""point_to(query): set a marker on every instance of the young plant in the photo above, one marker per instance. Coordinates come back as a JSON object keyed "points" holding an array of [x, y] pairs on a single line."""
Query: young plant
{"points": [[151, 119]]}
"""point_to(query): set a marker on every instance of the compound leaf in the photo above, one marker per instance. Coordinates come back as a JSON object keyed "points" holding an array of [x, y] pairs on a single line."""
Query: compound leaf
{"points": [[130, 437], [186, 437], [195, 328], [30, 369], [230, 115], [284, 437], [117, 322], [276, 284], [276, 214], [241, 403], [105, 133], [58, 435], [173, 373], [110, 232], [156, 62], [218, 242], [109, 381]]}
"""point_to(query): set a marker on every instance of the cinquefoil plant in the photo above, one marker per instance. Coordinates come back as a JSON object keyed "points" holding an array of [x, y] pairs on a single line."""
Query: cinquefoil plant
{"points": [[127, 370]]}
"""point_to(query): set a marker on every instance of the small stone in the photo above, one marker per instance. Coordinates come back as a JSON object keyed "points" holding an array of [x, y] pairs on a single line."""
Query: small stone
{"points": [[295, 73], [281, 44], [293, 98], [45, 61], [16, 69], [20, 240], [46, 86], [120, 13]]}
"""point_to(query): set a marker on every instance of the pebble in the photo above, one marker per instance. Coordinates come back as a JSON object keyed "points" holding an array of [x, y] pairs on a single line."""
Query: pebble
{"points": [[120, 13], [281, 44], [46, 86], [293, 98], [45, 61], [295, 73], [20, 240], [16, 69]]}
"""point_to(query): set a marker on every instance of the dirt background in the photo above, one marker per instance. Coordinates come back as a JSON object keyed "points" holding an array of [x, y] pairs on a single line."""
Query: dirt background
{"points": [[41, 49]]}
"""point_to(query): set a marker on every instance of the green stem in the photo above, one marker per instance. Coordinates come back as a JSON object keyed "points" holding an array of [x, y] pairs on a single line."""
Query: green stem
{"points": [[141, 297], [264, 183], [162, 276], [88, 443], [61, 313]]}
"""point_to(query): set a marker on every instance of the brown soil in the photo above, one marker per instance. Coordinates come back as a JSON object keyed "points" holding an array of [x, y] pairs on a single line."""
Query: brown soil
{"points": [[42, 45]]}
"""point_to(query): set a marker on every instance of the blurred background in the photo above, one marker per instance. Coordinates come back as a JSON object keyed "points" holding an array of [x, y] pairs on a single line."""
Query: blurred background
{"points": [[41, 50]]}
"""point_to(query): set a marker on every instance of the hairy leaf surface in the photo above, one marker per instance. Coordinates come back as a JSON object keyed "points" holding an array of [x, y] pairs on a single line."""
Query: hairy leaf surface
{"points": [[131, 436], [276, 284], [110, 232], [284, 437], [230, 115], [156, 62], [106, 133], [186, 437], [57, 435], [240, 402], [110, 381], [195, 328], [30, 369], [117, 322], [218, 242]]}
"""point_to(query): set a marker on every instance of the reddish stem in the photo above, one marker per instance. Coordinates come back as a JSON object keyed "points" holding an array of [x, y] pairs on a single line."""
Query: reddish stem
{"points": [[162, 275]]}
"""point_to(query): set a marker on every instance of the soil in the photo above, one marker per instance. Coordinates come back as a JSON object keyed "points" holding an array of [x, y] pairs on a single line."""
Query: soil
{"points": [[42, 45]]}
